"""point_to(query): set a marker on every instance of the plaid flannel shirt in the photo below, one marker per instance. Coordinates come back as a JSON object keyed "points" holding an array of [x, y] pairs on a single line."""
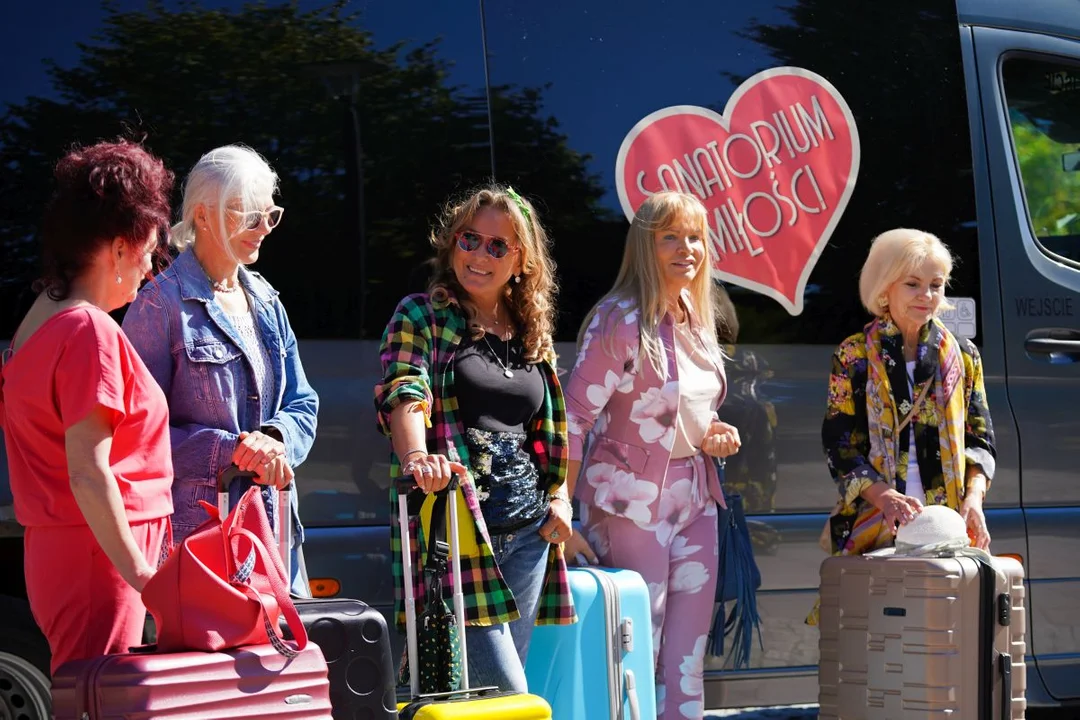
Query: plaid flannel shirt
{"points": [[420, 327]]}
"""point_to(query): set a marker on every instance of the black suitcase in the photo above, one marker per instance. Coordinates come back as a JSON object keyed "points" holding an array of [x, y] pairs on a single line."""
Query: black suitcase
{"points": [[353, 637], [356, 644]]}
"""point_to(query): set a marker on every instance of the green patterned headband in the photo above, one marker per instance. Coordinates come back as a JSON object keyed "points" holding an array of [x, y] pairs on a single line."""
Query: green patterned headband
{"points": [[520, 202]]}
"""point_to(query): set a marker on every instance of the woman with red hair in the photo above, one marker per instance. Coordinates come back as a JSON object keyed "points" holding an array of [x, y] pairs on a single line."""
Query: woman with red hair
{"points": [[85, 425]]}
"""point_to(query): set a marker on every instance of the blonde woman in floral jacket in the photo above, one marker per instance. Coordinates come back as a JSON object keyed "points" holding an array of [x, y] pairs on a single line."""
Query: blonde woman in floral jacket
{"points": [[907, 423], [643, 397]]}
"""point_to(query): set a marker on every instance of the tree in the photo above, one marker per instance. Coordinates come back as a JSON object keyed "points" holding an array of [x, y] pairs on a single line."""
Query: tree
{"points": [[587, 237], [906, 91], [191, 79], [1053, 196]]}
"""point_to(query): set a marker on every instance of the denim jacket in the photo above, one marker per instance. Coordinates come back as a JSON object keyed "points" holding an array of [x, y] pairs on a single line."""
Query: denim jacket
{"points": [[195, 354]]}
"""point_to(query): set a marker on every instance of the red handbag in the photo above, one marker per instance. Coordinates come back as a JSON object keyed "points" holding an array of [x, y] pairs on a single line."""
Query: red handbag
{"points": [[224, 586]]}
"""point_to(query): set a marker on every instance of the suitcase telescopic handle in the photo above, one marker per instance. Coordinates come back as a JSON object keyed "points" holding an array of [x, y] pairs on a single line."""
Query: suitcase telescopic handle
{"points": [[230, 473], [407, 483], [226, 476], [403, 486], [284, 515]]}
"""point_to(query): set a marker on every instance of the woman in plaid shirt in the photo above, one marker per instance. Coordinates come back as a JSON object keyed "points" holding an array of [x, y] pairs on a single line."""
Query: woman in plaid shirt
{"points": [[469, 387]]}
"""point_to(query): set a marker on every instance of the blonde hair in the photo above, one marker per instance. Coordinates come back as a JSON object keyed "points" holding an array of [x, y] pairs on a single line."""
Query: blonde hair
{"points": [[532, 300], [640, 280], [221, 175], [895, 254]]}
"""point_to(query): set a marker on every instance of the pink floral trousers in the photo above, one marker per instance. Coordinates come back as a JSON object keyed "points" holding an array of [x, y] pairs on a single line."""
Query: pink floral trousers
{"points": [[678, 556]]}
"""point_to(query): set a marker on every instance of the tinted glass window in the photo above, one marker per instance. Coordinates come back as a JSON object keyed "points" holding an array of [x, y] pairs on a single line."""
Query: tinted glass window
{"points": [[370, 114], [1043, 96], [389, 94], [597, 68]]}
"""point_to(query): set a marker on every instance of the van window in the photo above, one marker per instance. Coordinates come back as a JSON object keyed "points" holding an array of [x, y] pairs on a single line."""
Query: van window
{"points": [[370, 115], [596, 69], [1043, 96]]}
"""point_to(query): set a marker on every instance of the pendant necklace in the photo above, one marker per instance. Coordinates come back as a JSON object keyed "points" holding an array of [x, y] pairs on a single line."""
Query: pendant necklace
{"points": [[507, 372]]}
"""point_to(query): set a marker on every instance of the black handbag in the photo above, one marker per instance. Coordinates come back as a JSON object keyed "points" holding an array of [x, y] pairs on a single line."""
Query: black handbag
{"points": [[739, 581]]}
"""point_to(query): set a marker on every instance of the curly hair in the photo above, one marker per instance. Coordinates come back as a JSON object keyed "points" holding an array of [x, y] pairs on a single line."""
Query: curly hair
{"points": [[104, 191], [531, 301]]}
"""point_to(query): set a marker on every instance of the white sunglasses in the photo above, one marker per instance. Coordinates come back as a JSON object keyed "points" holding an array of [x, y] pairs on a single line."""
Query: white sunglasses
{"points": [[253, 219]]}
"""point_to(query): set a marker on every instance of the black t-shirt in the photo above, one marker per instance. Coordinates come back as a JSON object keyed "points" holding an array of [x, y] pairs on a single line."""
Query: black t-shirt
{"points": [[496, 411], [489, 400]]}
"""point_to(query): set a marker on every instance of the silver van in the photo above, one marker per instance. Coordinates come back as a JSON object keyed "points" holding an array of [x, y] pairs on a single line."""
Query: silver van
{"points": [[968, 117]]}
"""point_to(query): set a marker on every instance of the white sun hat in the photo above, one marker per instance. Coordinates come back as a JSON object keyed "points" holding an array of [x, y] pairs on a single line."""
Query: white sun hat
{"points": [[936, 528], [937, 531]]}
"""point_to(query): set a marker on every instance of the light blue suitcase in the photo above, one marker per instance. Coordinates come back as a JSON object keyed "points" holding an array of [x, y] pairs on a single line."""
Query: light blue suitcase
{"points": [[600, 668]]}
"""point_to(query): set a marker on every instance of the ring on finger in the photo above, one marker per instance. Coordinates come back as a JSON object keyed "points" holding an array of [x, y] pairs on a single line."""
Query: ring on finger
{"points": [[426, 470]]}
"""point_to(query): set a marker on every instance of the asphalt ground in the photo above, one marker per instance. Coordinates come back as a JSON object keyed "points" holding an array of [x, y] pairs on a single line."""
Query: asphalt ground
{"points": [[809, 712]]}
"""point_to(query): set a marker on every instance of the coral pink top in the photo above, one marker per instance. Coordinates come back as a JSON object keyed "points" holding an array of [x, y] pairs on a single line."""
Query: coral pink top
{"points": [[77, 360]]}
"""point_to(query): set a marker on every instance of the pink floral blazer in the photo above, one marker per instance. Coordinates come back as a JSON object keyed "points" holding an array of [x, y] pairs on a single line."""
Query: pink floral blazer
{"points": [[622, 419]]}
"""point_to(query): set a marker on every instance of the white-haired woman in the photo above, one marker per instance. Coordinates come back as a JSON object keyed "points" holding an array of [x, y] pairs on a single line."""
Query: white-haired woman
{"points": [[907, 422], [216, 338], [648, 381]]}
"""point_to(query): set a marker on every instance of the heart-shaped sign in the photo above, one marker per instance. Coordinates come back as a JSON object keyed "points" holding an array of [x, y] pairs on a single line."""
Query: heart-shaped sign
{"points": [[775, 173]]}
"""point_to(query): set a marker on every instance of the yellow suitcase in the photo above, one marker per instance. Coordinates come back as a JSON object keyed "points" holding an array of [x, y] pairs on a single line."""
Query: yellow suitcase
{"points": [[476, 704]]}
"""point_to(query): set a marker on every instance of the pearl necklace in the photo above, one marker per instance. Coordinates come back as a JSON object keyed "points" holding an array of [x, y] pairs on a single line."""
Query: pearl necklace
{"points": [[221, 286]]}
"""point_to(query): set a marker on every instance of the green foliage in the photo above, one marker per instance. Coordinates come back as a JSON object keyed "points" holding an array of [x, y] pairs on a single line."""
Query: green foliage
{"points": [[1053, 195], [190, 79]]}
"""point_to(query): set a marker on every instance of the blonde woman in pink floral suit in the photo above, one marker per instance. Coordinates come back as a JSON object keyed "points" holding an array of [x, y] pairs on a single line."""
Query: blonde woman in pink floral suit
{"points": [[643, 398]]}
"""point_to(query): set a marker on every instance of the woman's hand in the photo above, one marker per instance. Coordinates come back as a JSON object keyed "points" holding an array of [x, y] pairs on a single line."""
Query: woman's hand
{"points": [[431, 472], [558, 529], [898, 509], [578, 547], [276, 472], [255, 450], [142, 576], [721, 440], [972, 512]]}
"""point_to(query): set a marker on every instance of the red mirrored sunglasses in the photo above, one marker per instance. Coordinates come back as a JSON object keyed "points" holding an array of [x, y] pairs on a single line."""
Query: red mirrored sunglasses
{"points": [[470, 240]]}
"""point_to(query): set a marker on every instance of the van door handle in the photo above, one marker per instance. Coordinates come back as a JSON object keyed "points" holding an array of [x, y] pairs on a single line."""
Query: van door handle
{"points": [[1053, 341]]}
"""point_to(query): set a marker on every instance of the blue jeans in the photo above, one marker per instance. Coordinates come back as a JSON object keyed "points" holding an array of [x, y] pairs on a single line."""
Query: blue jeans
{"points": [[497, 652]]}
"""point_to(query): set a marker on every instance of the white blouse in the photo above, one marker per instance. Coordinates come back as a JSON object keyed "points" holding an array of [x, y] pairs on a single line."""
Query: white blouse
{"points": [[257, 352], [700, 386]]}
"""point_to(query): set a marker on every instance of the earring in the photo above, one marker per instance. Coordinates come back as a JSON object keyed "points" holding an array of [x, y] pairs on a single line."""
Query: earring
{"points": [[517, 279], [118, 278], [883, 302]]}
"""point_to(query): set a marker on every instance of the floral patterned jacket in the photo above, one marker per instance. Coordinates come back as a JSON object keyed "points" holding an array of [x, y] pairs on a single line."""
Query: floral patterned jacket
{"points": [[845, 432], [626, 414]]}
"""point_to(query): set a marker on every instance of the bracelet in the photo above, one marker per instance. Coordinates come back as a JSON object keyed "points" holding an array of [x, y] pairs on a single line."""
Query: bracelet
{"points": [[412, 452]]}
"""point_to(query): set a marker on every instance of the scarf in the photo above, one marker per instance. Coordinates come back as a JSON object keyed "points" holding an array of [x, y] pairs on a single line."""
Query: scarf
{"points": [[938, 361]]}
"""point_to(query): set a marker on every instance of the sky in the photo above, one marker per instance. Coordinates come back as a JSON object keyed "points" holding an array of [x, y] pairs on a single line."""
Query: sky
{"points": [[607, 63]]}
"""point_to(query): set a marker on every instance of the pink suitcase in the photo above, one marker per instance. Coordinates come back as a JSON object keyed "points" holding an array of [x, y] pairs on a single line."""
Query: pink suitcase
{"points": [[249, 682]]}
